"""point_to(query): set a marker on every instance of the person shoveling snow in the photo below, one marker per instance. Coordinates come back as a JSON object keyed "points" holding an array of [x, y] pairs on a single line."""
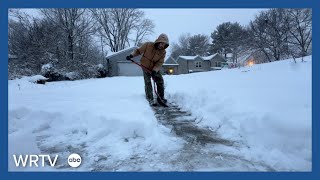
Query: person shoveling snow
{"points": [[153, 54]]}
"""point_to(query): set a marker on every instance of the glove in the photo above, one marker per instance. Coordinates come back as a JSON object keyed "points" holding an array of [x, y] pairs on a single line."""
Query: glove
{"points": [[153, 74], [129, 57]]}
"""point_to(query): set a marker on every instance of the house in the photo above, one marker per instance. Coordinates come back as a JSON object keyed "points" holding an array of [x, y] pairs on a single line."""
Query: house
{"points": [[118, 65], [217, 62], [189, 64], [250, 58], [170, 66]]}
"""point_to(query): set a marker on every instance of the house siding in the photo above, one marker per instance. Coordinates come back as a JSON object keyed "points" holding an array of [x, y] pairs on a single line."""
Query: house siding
{"points": [[205, 65], [183, 66], [113, 60], [216, 59], [186, 65]]}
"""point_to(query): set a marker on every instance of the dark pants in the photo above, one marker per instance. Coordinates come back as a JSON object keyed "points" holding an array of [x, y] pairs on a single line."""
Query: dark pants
{"points": [[148, 85]]}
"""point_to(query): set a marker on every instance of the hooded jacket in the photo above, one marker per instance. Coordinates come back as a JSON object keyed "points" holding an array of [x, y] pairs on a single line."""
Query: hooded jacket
{"points": [[152, 57]]}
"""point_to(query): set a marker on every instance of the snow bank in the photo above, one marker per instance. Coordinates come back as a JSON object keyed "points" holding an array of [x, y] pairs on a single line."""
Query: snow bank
{"points": [[268, 106], [101, 117]]}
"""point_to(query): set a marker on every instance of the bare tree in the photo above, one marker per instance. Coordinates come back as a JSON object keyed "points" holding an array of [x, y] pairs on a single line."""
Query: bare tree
{"points": [[300, 30], [75, 24], [62, 38], [32, 39], [181, 48], [142, 30], [117, 24], [269, 33]]}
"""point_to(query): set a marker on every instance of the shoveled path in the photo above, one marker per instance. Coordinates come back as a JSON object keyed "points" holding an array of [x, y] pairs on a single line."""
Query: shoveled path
{"points": [[197, 153]]}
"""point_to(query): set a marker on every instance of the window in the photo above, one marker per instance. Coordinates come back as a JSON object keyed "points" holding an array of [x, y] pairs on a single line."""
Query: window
{"points": [[218, 64], [198, 64]]}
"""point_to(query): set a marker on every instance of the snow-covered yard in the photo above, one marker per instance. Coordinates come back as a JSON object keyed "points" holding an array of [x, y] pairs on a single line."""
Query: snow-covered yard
{"points": [[266, 107]]}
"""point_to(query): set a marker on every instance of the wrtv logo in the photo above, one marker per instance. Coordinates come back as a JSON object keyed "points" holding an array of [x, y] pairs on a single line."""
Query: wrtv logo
{"points": [[34, 160]]}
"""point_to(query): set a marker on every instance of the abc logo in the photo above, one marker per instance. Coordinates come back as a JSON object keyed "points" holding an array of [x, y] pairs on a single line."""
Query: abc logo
{"points": [[74, 160]]}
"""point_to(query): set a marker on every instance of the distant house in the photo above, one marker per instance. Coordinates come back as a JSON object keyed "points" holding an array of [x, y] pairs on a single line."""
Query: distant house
{"points": [[117, 65], [250, 58], [170, 66], [217, 62], [190, 64]]}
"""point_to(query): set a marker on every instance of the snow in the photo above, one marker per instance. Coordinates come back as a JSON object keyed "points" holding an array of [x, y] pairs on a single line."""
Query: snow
{"points": [[36, 78], [209, 57], [72, 75], [171, 64], [111, 54], [194, 57], [188, 57], [266, 107], [47, 66], [11, 56]]}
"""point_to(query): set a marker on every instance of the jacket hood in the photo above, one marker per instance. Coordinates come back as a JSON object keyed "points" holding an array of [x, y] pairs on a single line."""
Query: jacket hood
{"points": [[163, 38]]}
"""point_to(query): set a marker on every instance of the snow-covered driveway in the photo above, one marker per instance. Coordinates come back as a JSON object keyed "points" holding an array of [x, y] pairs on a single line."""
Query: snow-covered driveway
{"points": [[258, 118]]}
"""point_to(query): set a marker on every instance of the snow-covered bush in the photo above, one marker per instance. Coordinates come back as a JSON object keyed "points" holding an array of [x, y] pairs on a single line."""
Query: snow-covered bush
{"points": [[72, 76], [50, 72], [102, 71]]}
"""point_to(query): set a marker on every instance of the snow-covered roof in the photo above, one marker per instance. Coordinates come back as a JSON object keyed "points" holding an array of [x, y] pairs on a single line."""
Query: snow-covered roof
{"points": [[112, 54], [244, 58], [12, 56], [170, 61], [190, 57], [229, 55], [207, 58], [210, 57], [170, 64]]}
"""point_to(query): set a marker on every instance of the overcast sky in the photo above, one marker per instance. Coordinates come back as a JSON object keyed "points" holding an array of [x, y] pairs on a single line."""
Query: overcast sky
{"points": [[175, 22]]}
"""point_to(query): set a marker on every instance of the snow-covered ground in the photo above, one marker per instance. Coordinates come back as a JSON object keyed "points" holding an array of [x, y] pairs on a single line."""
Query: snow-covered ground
{"points": [[267, 107]]}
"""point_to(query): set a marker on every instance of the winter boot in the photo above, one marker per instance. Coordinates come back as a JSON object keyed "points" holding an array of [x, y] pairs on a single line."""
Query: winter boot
{"points": [[162, 102], [162, 99], [152, 103]]}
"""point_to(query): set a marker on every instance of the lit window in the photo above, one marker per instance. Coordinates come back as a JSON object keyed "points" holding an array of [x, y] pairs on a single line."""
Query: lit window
{"points": [[250, 63]]}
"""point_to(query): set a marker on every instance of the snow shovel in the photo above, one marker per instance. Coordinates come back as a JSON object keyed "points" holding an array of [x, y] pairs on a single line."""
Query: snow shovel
{"points": [[159, 99]]}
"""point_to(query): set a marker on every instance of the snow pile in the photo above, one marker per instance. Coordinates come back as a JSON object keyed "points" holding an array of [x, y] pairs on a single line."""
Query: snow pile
{"points": [[72, 75], [107, 117], [46, 68], [36, 78], [268, 106]]}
